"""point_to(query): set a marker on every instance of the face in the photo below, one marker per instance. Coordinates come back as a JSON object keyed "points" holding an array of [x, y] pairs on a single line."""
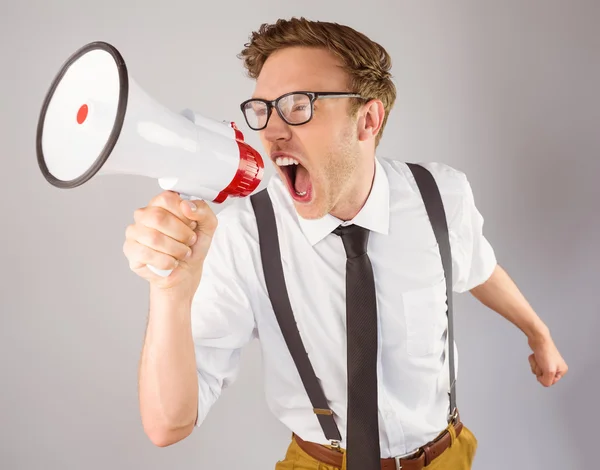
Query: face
{"points": [[329, 148]]}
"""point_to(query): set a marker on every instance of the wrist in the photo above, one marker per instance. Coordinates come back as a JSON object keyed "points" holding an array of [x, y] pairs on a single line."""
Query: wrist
{"points": [[179, 294], [538, 334]]}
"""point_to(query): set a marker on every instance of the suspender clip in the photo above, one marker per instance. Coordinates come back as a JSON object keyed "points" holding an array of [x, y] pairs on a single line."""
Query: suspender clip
{"points": [[453, 416], [322, 411]]}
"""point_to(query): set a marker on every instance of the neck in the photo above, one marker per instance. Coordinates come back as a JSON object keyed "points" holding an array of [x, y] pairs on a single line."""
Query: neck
{"points": [[353, 199]]}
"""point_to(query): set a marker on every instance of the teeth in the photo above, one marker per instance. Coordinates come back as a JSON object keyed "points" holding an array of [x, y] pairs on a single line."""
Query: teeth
{"points": [[285, 161]]}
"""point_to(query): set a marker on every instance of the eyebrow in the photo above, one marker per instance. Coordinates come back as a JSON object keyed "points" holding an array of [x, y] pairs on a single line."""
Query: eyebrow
{"points": [[294, 90]]}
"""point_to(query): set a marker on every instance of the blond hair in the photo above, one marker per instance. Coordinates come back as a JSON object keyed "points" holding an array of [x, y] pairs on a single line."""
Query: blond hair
{"points": [[367, 63]]}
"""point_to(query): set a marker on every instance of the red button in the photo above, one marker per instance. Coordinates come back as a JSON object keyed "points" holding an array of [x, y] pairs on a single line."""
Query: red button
{"points": [[82, 114]]}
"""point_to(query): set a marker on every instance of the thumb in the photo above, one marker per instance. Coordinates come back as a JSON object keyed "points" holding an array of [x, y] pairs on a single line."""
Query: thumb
{"points": [[199, 211], [192, 208]]}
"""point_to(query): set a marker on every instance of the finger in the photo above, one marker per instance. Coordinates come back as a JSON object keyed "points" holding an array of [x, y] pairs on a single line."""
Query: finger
{"points": [[171, 202], [533, 365], [557, 377], [540, 380], [140, 256], [158, 241], [537, 370], [128, 250], [548, 377], [164, 221]]}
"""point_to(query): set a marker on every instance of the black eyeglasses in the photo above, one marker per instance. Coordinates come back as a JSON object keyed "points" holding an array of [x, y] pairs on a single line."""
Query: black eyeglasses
{"points": [[295, 108]]}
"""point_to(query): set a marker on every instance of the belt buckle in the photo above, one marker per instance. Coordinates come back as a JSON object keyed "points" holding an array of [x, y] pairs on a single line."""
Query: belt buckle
{"points": [[397, 458]]}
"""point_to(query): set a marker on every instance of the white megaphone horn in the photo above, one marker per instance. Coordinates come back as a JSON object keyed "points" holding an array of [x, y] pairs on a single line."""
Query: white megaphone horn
{"points": [[96, 120]]}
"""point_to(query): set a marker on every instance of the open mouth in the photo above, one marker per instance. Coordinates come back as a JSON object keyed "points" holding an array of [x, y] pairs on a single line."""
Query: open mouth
{"points": [[298, 180]]}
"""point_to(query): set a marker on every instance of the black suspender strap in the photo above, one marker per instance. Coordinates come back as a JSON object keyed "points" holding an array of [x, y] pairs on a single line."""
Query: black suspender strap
{"points": [[437, 217], [275, 281], [274, 278]]}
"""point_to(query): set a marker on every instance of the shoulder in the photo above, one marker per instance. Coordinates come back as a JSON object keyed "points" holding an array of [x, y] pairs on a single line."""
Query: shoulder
{"points": [[451, 181], [453, 185]]}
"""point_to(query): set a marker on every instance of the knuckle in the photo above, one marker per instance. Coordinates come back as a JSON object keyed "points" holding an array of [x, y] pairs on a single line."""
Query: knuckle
{"points": [[157, 216], [154, 238], [138, 213], [166, 199], [134, 265], [130, 251], [130, 231], [160, 199]]}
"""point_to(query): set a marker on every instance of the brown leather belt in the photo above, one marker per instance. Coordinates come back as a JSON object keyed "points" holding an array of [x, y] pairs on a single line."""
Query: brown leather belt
{"points": [[421, 458]]}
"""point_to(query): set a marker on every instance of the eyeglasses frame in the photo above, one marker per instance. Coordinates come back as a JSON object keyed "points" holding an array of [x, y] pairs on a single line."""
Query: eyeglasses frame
{"points": [[312, 95]]}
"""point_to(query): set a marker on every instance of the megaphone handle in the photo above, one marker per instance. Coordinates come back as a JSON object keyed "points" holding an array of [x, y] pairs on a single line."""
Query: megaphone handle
{"points": [[167, 272]]}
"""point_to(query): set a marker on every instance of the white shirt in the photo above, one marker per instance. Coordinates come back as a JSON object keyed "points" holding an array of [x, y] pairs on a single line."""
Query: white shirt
{"points": [[232, 306]]}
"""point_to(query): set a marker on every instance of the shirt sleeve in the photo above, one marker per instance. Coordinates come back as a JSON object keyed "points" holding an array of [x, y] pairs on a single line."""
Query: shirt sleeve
{"points": [[473, 257], [222, 317]]}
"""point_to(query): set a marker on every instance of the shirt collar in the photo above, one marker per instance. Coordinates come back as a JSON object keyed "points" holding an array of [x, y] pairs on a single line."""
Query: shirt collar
{"points": [[374, 215]]}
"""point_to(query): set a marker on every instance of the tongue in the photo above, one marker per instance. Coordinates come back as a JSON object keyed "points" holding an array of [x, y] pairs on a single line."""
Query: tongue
{"points": [[302, 180]]}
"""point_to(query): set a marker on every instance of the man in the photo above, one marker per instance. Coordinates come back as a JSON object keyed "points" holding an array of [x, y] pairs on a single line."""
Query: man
{"points": [[322, 97]]}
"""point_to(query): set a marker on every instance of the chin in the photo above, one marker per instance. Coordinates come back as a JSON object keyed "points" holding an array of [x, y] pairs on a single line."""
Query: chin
{"points": [[313, 210]]}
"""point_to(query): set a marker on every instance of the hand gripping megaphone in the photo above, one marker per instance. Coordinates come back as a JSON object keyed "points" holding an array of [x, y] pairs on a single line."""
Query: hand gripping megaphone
{"points": [[96, 120]]}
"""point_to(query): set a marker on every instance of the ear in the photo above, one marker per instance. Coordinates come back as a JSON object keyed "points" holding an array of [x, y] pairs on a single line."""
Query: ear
{"points": [[370, 120]]}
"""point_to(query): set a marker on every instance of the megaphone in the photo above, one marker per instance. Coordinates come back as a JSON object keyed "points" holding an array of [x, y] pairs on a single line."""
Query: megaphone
{"points": [[95, 120]]}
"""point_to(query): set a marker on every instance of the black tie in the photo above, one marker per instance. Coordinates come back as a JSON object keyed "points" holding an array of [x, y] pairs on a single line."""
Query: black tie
{"points": [[362, 448]]}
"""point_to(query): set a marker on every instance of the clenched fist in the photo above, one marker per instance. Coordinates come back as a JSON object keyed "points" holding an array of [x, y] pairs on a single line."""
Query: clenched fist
{"points": [[546, 363], [170, 233]]}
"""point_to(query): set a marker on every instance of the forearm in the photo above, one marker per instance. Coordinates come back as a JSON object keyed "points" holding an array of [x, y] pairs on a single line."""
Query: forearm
{"points": [[501, 294], [168, 383]]}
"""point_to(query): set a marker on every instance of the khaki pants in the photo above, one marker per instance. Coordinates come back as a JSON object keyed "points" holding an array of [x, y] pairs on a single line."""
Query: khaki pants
{"points": [[459, 456]]}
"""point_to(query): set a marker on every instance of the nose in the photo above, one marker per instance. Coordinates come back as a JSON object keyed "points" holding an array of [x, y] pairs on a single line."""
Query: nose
{"points": [[277, 128]]}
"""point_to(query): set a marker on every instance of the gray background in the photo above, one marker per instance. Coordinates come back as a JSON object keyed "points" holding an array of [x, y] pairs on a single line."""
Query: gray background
{"points": [[505, 91]]}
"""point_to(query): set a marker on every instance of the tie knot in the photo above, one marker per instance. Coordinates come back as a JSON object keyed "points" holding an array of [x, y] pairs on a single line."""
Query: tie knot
{"points": [[355, 239]]}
